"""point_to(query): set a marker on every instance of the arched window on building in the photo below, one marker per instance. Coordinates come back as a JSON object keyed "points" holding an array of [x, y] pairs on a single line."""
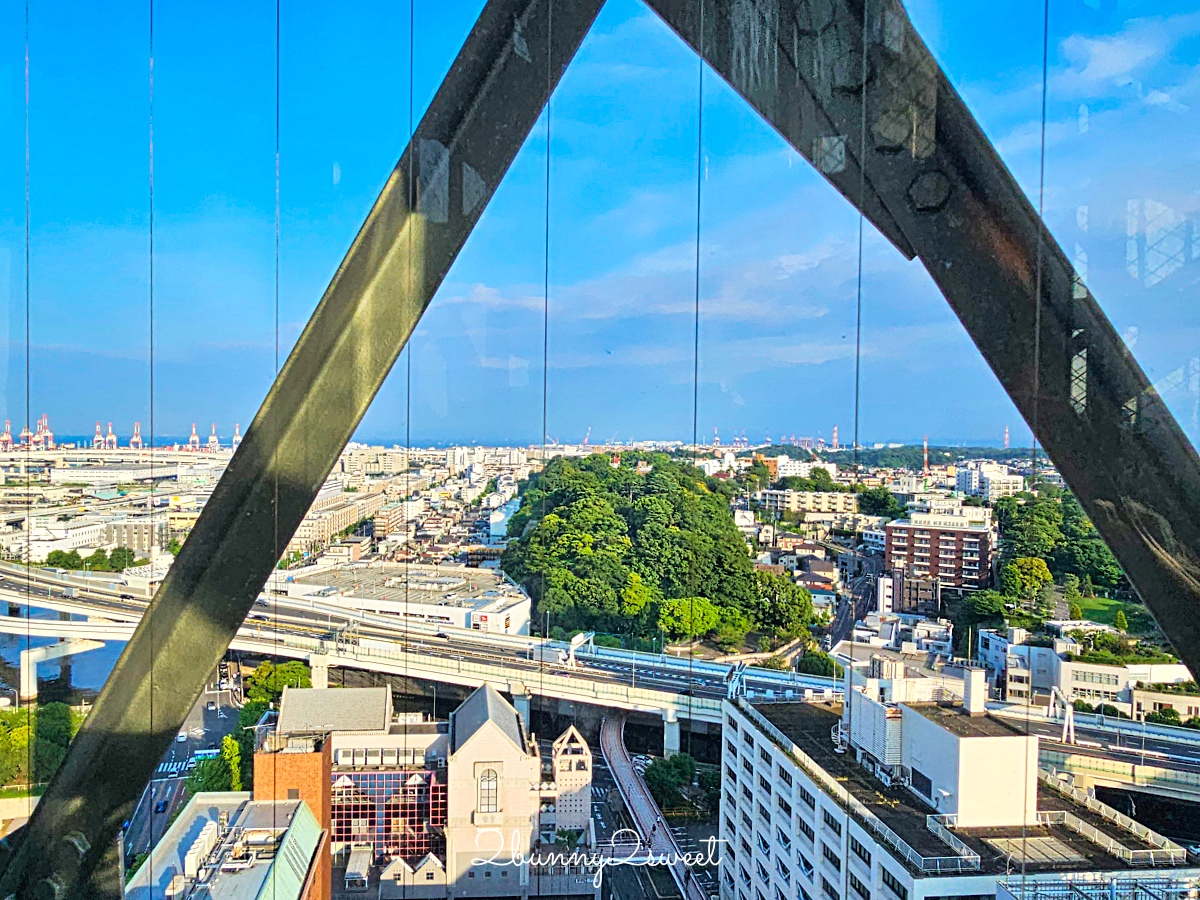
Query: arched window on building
{"points": [[489, 791]]}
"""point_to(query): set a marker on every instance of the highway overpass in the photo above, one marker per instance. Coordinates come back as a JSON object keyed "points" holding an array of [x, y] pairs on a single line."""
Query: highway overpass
{"points": [[328, 636]]}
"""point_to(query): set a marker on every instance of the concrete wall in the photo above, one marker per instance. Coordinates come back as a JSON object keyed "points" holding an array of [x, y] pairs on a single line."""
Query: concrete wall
{"points": [[986, 781]]}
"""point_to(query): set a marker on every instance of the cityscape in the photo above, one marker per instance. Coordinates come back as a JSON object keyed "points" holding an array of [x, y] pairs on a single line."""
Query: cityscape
{"points": [[600, 450], [468, 642]]}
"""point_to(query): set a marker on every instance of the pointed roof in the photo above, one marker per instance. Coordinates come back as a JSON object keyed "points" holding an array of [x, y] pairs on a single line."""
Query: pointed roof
{"points": [[571, 738], [483, 706]]}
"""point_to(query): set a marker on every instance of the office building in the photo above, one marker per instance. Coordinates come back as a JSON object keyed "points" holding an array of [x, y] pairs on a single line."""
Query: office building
{"points": [[226, 846], [447, 595], [897, 592], [906, 793], [429, 798], [1023, 665]]}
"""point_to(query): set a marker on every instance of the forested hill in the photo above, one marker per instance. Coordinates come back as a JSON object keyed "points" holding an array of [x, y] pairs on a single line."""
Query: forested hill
{"points": [[605, 548]]}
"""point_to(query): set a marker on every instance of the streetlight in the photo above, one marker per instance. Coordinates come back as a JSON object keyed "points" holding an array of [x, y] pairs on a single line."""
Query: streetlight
{"points": [[16, 696]]}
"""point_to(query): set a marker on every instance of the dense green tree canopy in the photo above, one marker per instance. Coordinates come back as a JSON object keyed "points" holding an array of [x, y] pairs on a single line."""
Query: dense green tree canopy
{"points": [[607, 547], [1024, 577], [879, 501], [33, 746]]}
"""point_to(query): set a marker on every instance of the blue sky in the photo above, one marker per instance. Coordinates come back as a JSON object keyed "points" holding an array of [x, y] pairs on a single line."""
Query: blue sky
{"points": [[778, 246]]}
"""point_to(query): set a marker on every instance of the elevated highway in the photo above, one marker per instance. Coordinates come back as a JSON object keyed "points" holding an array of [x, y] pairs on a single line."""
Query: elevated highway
{"points": [[329, 636]]}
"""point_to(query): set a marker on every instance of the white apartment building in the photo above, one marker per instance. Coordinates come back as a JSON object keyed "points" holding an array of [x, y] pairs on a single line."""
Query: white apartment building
{"points": [[894, 797], [1022, 665], [786, 467], [807, 501], [988, 480]]}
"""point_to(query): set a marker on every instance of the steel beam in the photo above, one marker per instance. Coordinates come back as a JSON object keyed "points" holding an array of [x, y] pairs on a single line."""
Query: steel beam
{"points": [[472, 131], [927, 177]]}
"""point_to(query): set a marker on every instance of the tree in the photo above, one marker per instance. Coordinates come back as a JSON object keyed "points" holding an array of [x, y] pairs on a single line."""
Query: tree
{"points": [[174, 546], [688, 617], [664, 778], [1120, 622], [783, 607], [266, 683], [58, 559], [97, 562], [879, 501], [984, 605], [121, 558], [731, 629], [231, 753], [1165, 716], [210, 775], [247, 737], [636, 595], [1076, 611], [1025, 577], [818, 662]]}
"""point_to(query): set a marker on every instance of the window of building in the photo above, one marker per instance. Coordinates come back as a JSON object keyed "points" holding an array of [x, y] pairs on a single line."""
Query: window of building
{"points": [[764, 755], [429, 875], [809, 800], [859, 888], [731, 747], [489, 791], [784, 872], [829, 890], [859, 850], [764, 876], [293, 794], [831, 857], [782, 838], [784, 776], [763, 844], [784, 806], [805, 864], [764, 784], [921, 783], [805, 829], [893, 883], [831, 822], [746, 792]]}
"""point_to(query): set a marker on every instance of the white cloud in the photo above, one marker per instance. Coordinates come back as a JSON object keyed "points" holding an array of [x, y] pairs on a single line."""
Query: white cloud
{"points": [[1097, 64]]}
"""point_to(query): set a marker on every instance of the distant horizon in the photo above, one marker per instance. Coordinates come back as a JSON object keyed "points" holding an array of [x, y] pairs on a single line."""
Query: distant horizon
{"points": [[163, 441]]}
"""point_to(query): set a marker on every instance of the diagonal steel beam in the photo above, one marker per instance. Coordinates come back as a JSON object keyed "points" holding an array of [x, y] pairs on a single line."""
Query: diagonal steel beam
{"points": [[472, 131], [925, 174]]}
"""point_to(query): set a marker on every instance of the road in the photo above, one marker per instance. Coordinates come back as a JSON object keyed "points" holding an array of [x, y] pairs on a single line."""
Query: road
{"points": [[313, 620], [164, 794], [1148, 749], [852, 609], [653, 829]]}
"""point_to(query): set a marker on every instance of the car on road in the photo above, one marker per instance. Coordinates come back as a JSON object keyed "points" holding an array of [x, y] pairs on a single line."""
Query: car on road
{"points": [[210, 706], [442, 635], [181, 737], [161, 806]]}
